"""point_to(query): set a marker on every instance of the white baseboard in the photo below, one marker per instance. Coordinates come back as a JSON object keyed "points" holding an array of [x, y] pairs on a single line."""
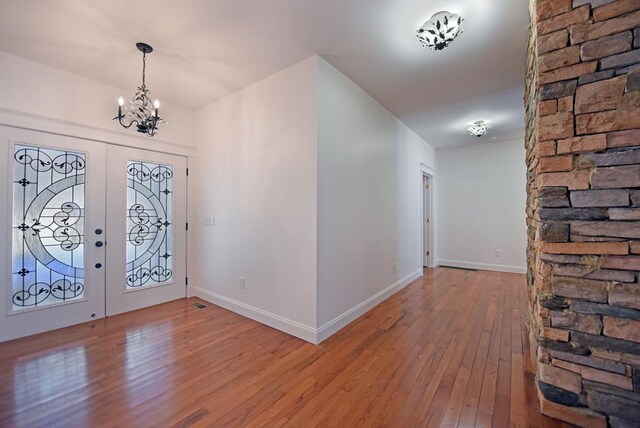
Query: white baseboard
{"points": [[291, 327], [341, 321], [481, 266], [302, 331]]}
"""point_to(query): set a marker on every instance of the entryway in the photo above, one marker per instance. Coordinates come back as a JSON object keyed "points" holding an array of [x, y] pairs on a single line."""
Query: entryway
{"points": [[91, 230]]}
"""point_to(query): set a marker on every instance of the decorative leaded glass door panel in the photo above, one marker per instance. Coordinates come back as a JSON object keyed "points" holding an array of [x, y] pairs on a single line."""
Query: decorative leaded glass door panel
{"points": [[52, 275], [146, 220]]}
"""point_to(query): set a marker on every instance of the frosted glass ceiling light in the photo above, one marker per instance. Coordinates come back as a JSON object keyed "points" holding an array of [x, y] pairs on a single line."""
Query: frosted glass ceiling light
{"points": [[439, 31], [479, 128]]}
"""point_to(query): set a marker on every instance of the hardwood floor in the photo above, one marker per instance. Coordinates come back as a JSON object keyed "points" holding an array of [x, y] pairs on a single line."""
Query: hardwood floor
{"points": [[448, 350]]}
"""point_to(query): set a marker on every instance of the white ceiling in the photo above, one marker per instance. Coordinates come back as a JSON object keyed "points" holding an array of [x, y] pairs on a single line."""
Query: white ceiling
{"points": [[207, 49]]}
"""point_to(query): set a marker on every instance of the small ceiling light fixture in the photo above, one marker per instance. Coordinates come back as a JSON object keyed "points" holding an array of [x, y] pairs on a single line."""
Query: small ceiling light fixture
{"points": [[141, 111], [439, 31], [479, 128]]}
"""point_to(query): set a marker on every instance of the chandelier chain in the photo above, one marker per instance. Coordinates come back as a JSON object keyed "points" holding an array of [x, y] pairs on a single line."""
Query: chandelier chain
{"points": [[144, 68]]}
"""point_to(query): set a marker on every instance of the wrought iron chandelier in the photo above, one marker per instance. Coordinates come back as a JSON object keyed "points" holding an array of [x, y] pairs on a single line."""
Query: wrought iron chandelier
{"points": [[439, 31], [479, 128], [141, 111]]}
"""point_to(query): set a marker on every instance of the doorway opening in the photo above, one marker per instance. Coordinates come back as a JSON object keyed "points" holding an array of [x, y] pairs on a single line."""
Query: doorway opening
{"points": [[427, 220]]}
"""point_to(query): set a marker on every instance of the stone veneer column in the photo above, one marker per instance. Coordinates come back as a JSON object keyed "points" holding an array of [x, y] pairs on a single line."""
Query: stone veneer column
{"points": [[583, 208]]}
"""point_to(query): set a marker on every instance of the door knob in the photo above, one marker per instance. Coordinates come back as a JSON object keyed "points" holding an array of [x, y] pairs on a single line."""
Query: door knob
{"points": [[99, 244]]}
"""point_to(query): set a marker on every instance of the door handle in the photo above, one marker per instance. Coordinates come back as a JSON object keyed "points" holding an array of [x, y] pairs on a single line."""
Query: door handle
{"points": [[99, 244]]}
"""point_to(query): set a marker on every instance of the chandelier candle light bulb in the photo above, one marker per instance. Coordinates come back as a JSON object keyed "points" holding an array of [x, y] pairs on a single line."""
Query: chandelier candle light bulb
{"points": [[120, 104]]}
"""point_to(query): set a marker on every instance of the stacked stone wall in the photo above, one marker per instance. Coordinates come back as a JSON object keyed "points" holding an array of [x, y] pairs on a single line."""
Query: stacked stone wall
{"points": [[583, 208]]}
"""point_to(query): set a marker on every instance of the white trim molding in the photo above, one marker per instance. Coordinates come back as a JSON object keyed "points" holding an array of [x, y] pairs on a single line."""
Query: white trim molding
{"points": [[299, 330], [481, 266], [291, 327], [427, 169], [341, 321]]}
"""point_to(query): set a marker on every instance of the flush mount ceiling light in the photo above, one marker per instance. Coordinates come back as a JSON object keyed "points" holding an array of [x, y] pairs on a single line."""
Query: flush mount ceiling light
{"points": [[439, 31], [140, 111], [479, 128]]}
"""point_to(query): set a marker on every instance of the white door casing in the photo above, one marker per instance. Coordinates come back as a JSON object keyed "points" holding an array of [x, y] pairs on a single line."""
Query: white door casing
{"points": [[426, 220], [427, 214]]}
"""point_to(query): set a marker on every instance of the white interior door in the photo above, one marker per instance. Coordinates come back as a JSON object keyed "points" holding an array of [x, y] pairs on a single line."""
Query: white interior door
{"points": [[426, 220], [53, 219], [146, 224]]}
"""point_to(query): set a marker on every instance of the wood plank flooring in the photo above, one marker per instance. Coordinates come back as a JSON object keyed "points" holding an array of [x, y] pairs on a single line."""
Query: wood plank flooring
{"points": [[449, 350]]}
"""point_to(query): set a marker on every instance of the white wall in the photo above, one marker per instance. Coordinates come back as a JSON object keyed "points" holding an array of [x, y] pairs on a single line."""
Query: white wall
{"points": [[480, 203], [256, 172], [41, 97], [315, 189], [369, 189]]}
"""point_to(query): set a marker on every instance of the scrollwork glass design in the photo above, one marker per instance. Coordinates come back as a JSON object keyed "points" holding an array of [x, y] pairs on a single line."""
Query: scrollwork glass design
{"points": [[48, 227], [149, 224]]}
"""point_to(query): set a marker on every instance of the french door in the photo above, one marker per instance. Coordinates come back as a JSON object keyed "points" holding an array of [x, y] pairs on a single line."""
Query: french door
{"points": [[146, 220], [88, 230]]}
